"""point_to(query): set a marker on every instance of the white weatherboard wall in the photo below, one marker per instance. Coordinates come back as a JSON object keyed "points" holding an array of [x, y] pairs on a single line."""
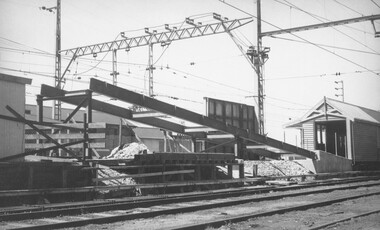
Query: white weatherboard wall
{"points": [[12, 93]]}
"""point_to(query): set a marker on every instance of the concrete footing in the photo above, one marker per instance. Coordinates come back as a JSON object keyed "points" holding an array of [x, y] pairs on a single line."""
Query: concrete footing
{"points": [[327, 163]]}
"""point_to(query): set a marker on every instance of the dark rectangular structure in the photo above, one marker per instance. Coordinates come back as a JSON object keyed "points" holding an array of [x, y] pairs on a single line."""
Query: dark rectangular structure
{"points": [[239, 115]]}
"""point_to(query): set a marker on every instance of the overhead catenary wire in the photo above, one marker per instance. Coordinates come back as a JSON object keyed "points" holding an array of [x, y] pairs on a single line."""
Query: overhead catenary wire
{"points": [[196, 76], [311, 43], [353, 28], [319, 19], [197, 16], [330, 46], [121, 83], [188, 74], [287, 108], [348, 7], [290, 102], [99, 68], [375, 3], [205, 79], [319, 75]]}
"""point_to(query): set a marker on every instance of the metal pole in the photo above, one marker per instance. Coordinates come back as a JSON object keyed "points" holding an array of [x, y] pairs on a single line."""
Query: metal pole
{"points": [[336, 144], [40, 108], [57, 78], [150, 69], [85, 136], [114, 67], [260, 79], [89, 105], [120, 130]]}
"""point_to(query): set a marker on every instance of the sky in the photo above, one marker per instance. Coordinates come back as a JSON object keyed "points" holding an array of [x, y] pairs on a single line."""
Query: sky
{"points": [[302, 67]]}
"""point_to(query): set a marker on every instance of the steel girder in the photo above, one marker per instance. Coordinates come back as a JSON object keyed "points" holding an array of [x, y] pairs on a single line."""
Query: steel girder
{"points": [[125, 95], [100, 106]]}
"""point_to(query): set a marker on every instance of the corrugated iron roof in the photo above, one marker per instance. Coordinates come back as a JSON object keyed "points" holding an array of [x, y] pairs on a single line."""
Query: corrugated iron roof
{"points": [[355, 111]]}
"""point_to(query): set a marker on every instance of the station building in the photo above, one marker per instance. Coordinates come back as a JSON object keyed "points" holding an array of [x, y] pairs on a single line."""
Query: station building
{"points": [[342, 129]]}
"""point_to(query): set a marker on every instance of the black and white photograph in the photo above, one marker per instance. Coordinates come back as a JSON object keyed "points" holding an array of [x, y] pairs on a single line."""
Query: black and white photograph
{"points": [[190, 114]]}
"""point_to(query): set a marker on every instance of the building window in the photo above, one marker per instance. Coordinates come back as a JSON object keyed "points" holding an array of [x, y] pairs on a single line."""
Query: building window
{"points": [[321, 136]]}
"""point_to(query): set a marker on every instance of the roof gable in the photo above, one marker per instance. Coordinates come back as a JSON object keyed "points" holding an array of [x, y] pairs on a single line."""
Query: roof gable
{"points": [[357, 112], [337, 108]]}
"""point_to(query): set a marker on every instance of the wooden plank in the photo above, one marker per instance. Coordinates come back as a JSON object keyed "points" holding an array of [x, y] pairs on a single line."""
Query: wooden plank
{"points": [[40, 125], [39, 150], [76, 146], [158, 166], [38, 130], [280, 182], [144, 175], [94, 125], [186, 156], [65, 136]]}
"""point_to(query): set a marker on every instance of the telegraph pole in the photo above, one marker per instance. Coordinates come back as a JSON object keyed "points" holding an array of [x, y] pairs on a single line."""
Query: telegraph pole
{"points": [[56, 110], [259, 57], [58, 80]]}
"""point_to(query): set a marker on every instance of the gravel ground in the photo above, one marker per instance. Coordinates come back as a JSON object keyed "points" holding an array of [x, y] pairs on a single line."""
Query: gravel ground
{"points": [[276, 168], [317, 216]]}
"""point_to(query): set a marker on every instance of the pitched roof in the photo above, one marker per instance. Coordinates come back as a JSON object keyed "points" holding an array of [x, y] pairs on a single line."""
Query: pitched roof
{"points": [[350, 111], [19, 80], [355, 111]]}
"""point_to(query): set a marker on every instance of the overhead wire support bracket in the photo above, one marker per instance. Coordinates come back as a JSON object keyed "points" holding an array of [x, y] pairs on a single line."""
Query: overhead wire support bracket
{"points": [[323, 25], [159, 37], [219, 17], [377, 33]]}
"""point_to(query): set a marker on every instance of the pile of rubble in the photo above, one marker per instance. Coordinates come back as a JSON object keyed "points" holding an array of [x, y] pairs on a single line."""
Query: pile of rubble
{"points": [[128, 151], [106, 172], [125, 151], [276, 168]]}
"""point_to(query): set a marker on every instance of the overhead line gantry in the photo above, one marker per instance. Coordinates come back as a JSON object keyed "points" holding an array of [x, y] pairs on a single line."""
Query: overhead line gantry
{"points": [[153, 37]]}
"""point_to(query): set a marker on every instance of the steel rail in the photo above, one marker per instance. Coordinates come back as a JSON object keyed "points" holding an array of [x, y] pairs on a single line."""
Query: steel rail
{"points": [[344, 219], [240, 218], [192, 183], [108, 205], [203, 206]]}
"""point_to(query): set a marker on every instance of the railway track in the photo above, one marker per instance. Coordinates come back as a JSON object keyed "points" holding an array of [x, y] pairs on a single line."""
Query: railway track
{"points": [[239, 218], [75, 208], [99, 212]]}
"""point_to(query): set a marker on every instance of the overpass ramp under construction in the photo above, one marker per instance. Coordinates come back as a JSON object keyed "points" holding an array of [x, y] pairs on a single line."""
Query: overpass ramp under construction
{"points": [[207, 128]]}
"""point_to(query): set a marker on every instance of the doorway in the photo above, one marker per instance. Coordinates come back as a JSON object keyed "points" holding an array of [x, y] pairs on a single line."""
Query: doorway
{"points": [[331, 137]]}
